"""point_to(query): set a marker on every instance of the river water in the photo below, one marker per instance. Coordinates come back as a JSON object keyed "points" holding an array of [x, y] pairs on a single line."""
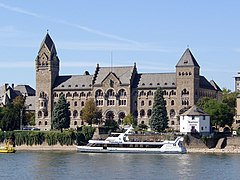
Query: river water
{"points": [[73, 165]]}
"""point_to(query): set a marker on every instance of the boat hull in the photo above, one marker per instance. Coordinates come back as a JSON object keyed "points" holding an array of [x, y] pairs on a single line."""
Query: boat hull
{"points": [[7, 150], [86, 149]]}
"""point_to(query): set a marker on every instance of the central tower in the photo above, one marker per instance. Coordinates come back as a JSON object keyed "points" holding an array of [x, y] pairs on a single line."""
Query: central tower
{"points": [[187, 79], [47, 69]]}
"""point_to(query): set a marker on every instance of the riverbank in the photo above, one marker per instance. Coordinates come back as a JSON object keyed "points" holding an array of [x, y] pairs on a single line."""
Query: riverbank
{"points": [[214, 150], [73, 148], [45, 148]]}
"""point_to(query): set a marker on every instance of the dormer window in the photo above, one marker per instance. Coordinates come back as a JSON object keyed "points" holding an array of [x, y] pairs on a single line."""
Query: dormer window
{"points": [[76, 85], [62, 85], [185, 61], [143, 84], [150, 84], [83, 85]]}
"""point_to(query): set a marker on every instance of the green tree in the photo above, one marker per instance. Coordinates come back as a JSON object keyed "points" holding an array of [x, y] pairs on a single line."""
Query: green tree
{"points": [[220, 113], [128, 120], [90, 113], [159, 118], [61, 114], [19, 106], [10, 119], [229, 98]]}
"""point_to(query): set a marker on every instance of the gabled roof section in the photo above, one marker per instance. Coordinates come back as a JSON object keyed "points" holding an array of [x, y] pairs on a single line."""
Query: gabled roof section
{"points": [[154, 80], [187, 60], [194, 111], [124, 74], [205, 84], [113, 75], [73, 82], [49, 43], [214, 84], [25, 90]]}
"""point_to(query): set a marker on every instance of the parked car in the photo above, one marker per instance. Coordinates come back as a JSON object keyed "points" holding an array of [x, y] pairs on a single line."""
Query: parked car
{"points": [[35, 129]]}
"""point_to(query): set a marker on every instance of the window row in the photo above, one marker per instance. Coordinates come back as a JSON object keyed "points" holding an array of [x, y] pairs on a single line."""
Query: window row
{"points": [[158, 84], [42, 114], [75, 94], [184, 73], [111, 93], [143, 113]]}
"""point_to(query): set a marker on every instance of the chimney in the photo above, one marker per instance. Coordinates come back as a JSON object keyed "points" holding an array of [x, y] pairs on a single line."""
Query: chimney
{"points": [[13, 86], [6, 86]]}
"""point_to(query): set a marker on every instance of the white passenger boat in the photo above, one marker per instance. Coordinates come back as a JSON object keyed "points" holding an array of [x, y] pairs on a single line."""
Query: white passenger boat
{"points": [[119, 143]]}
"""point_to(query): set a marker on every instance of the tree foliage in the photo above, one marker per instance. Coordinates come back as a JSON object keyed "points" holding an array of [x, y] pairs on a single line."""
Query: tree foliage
{"points": [[12, 114], [229, 98], [61, 114], [159, 118], [90, 113], [220, 113], [128, 120]]}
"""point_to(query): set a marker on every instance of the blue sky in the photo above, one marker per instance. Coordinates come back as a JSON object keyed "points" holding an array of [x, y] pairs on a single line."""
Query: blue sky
{"points": [[154, 34]]}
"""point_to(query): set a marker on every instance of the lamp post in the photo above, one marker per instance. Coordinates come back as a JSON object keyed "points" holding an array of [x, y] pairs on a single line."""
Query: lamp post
{"points": [[21, 115]]}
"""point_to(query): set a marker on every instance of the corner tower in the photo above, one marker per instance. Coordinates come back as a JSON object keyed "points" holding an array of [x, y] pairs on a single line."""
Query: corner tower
{"points": [[187, 79], [47, 69]]}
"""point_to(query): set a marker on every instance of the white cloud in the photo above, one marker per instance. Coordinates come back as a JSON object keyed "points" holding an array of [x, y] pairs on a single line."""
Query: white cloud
{"points": [[19, 10], [17, 64]]}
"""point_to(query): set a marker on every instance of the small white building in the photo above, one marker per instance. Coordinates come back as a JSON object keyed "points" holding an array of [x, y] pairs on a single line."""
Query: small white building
{"points": [[195, 120]]}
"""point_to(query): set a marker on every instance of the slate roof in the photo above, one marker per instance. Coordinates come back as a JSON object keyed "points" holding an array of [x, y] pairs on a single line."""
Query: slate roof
{"points": [[30, 103], [72, 82], [194, 111], [205, 84], [49, 43], [124, 74], [187, 59], [154, 80], [7, 94], [25, 90], [214, 84]]}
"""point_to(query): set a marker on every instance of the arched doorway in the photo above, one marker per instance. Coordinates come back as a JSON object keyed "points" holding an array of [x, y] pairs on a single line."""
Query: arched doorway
{"points": [[110, 115]]}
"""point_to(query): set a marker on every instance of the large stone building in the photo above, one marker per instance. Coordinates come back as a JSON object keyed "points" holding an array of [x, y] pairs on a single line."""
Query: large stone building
{"points": [[118, 91]]}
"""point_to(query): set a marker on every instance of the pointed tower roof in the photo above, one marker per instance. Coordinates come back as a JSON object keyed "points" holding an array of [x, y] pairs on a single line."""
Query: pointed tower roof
{"points": [[187, 59], [49, 43]]}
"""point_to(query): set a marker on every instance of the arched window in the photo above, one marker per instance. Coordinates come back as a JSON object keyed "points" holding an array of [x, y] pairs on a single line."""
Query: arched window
{"points": [[99, 93], [75, 103], [46, 123], [40, 123], [39, 114], [75, 94], [149, 113], [75, 114], [110, 93], [82, 103], [150, 103], [45, 113], [172, 122], [172, 113], [122, 93], [172, 102], [142, 103], [142, 113], [68, 94], [185, 92], [75, 123], [82, 94]]}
